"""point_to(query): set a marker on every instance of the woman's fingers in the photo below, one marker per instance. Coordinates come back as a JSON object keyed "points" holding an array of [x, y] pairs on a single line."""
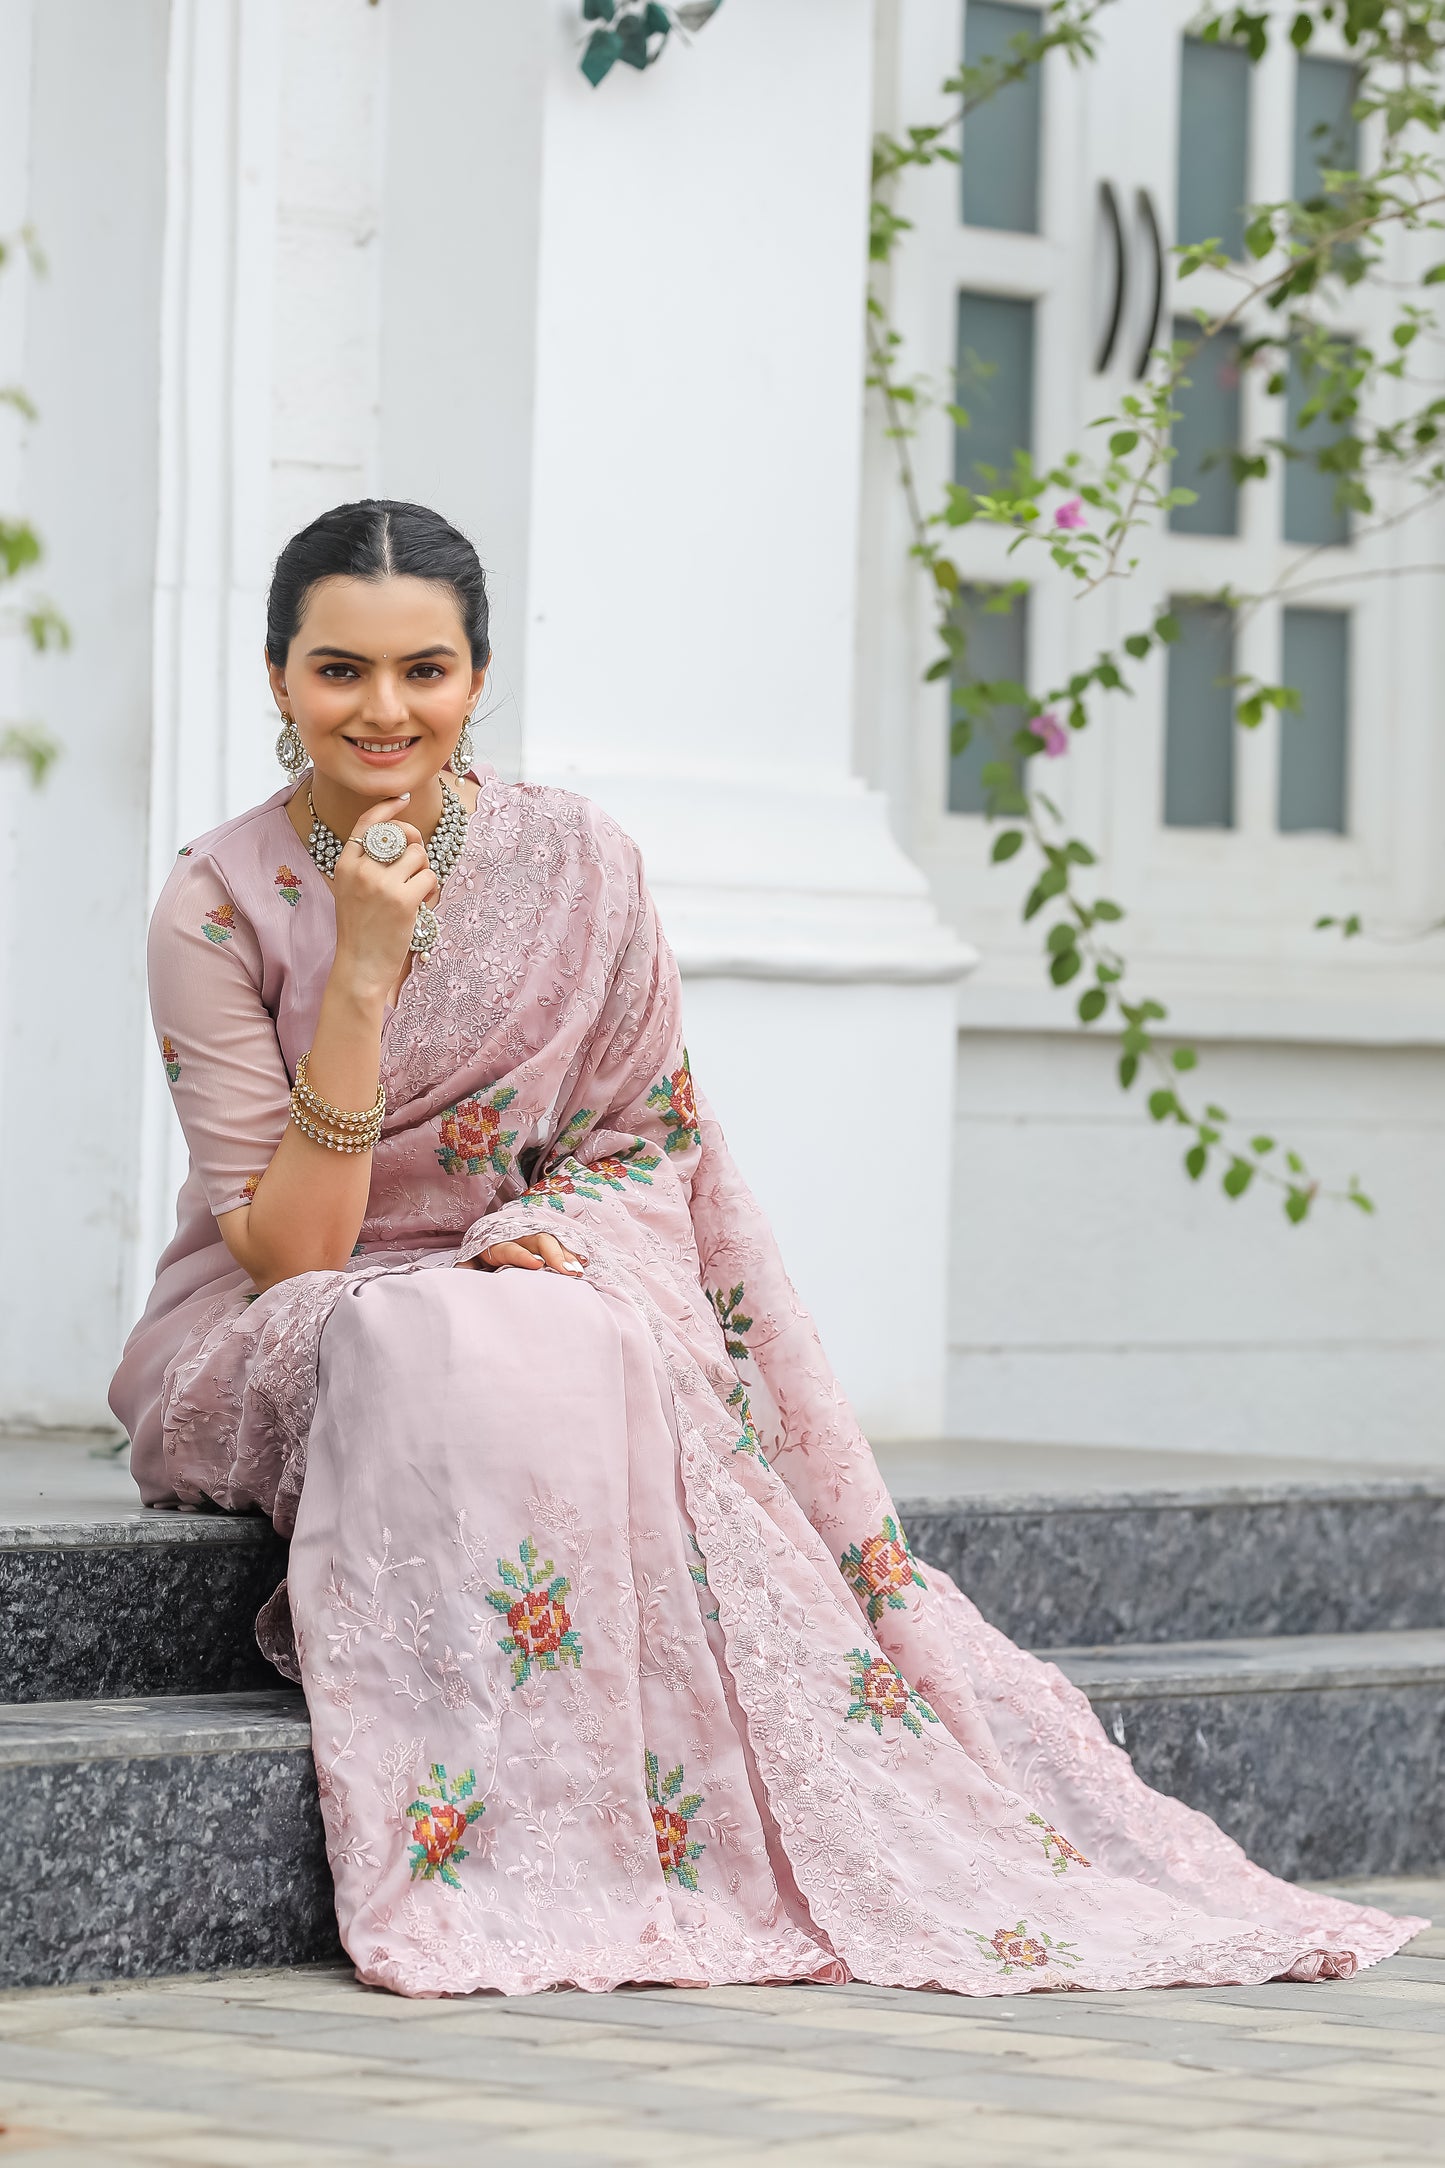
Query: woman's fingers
{"points": [[532, 1253]]}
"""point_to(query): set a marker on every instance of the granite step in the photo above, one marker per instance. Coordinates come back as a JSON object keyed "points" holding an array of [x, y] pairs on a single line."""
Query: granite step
{"points": [[133, 1603], [183, 1833], [1316, 1752], [1179, 1561]]}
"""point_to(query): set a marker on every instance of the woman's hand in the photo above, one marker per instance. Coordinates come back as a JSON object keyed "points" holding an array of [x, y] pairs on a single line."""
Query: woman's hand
{"points": [[532, 1253], [376, 905]]}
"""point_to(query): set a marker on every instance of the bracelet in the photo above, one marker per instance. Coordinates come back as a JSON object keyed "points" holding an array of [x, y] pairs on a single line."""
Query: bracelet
{"points": [[334, 1127]]}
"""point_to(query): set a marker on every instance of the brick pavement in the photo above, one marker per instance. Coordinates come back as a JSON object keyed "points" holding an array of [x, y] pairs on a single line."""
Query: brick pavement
{"points": [[281, 2069]]}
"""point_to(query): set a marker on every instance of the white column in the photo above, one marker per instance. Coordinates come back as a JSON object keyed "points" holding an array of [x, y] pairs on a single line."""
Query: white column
{"points": [[690, 633]]}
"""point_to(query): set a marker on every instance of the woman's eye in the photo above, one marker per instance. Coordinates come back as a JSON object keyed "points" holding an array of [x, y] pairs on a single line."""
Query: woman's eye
{"points": [[427, 670], [337, 670]]}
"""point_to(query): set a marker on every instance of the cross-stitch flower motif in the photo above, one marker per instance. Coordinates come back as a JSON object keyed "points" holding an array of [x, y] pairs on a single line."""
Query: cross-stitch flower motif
{"points": [[676, 1101], [578, 1178], [289, 885], [250, 1186], [1014, 1949], [472, 1135], [728, 1308], [1057, 1850], [533, 1602], [670, 1818], [697, 1570], [749, 1442], [220, 924], [880, 1571], [185, 851], [879, 1690], [440, 1816], [571, 1135], [170, 1058]]}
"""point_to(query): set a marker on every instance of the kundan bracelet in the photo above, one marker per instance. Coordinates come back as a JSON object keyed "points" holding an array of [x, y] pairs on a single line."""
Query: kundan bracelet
{"points": [[334, 1127]]}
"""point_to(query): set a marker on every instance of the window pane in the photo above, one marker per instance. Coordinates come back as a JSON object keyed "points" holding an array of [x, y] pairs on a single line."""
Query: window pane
{"points": [[1199, 720], [1001, 139], [1206, 432], [1311, 513], [1213, 144], [1314, 743], [997, 649], [1324, 131], [995, 385]]}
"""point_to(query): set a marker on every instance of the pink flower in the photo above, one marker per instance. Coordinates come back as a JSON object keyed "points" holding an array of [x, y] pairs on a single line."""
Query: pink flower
{"points": [[1052, 733], [1070, 514]]}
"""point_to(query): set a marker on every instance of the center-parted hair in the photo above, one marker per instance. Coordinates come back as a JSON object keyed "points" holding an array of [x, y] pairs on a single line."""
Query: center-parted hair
{"points": [[376, 539]]}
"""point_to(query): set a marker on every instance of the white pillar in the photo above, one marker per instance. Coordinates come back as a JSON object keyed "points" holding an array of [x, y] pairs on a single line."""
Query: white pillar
{"points": [[682, 257]]}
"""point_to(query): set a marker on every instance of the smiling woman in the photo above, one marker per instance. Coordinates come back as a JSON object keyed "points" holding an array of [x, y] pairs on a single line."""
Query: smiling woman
{"points": [[620, 1667]]}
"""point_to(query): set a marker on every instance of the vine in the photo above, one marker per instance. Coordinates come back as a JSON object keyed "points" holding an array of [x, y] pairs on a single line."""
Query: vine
{"points": [[635, 32], [20, 550], [1300, 255]]}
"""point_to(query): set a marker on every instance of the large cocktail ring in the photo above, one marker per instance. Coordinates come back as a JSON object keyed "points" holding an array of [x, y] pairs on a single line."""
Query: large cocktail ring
{"points": [[384, 841]]}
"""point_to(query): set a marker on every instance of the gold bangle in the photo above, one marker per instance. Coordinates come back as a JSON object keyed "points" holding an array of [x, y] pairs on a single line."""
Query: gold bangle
{"points": [[337, 1128]]}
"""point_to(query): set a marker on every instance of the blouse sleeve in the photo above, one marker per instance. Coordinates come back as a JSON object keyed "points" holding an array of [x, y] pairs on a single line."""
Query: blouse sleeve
{"points": [[218, 1041]]}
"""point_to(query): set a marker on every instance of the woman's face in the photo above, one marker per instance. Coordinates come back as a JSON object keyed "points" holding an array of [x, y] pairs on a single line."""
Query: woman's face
{"points": [[378, 681]]}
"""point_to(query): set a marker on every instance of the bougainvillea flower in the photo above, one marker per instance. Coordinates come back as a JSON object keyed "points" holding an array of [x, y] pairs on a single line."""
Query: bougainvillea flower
{"points": [[1070, 514], [1051, 732]]}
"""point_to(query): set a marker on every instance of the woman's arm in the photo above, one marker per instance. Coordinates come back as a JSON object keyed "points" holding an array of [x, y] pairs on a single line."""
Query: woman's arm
{"points": [[308, 1207]]}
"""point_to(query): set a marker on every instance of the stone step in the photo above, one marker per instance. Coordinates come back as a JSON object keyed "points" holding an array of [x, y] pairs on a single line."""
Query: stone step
{"points": [[1319, 1753], [134, 1603], [183, 1833], [142, 1837], [1192, 1562]]}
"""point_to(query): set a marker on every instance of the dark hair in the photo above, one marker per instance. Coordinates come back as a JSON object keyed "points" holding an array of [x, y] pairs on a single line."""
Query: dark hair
{"points": [[375, 540]]}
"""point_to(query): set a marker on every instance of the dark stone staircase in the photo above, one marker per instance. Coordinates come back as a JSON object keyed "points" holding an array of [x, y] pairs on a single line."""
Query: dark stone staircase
{"points": [[1271, 1650]]}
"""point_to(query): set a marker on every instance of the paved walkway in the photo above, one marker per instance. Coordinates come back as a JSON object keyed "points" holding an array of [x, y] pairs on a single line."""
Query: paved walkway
{"points": [[303, 2069]]}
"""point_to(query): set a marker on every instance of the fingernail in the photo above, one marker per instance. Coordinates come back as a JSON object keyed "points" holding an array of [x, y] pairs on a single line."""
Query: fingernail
{"points": [[571, 1268], [404, 796]]}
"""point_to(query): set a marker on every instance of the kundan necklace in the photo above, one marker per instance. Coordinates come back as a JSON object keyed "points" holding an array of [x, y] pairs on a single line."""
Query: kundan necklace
{"points": [[385, 841]]}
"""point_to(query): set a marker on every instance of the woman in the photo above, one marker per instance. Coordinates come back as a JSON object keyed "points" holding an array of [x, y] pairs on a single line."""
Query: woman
{"points": [[619, 1665]]}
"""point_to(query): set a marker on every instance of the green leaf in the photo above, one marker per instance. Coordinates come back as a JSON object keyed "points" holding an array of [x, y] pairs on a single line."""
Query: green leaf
{"points": [[1008, 845], [1238, 1177], [1196, 1159], [1259, 235], [1261, 1145], [1296, 1206], [1434, 276], [1066, 966], [1092, 1005], [1122, 441], [1184, 1057], [603, 48], [1104, 909], [1138, 645], [1128, 1069], [1167, 628], [1162, 1104], [1061, 937]]}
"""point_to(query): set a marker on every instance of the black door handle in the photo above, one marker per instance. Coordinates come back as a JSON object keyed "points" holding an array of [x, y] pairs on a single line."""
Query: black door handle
{"points": [[1150, 222], [1109, 205]]}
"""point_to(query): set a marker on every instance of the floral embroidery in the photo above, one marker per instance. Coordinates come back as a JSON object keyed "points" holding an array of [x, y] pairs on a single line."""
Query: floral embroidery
{"points": [[731, 1319], [533, 1602], [184, 851], [220, 924], [250, 1186], [472, 1135], [440, 1815], [880, 1690], [1057, 1850], [1013, 1949], [676, 1101], [881, 1571], [170, 1058], [578, 1178], [749, 1442], [289, 884], [697, 1570], [569, 1137], [670, 1819]]}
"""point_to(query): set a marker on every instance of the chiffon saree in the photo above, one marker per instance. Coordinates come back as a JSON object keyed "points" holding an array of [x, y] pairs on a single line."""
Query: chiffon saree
{"points": [[619, 1664]]}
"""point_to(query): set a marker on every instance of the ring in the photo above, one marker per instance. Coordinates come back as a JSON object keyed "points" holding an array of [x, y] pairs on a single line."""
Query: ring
{"points": [[384, 841]]}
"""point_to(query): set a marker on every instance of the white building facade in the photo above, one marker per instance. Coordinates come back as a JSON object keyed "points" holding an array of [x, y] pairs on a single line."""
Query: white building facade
{"points": [[302, 253]]}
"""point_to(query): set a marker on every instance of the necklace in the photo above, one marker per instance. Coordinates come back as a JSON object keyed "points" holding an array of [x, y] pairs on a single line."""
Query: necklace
{"points": [[443, 850]]}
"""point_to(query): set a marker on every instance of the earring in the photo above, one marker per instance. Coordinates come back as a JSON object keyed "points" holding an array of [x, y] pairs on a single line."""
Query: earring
{"points": [[290, 751], [463, 752]]}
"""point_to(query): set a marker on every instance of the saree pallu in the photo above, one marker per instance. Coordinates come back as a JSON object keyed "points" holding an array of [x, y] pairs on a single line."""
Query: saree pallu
{"points": [[619, 1663]]}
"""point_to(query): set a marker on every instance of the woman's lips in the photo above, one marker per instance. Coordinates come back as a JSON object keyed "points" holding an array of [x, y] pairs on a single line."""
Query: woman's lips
{"points": [[370, 752]]}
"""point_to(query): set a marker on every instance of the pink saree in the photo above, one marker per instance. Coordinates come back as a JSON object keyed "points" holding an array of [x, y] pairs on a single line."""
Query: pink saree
{"points": [[619, 1665]]}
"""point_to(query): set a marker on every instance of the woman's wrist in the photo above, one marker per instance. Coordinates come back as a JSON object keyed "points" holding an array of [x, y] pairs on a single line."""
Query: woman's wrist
{"points": [[356, 993]]}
